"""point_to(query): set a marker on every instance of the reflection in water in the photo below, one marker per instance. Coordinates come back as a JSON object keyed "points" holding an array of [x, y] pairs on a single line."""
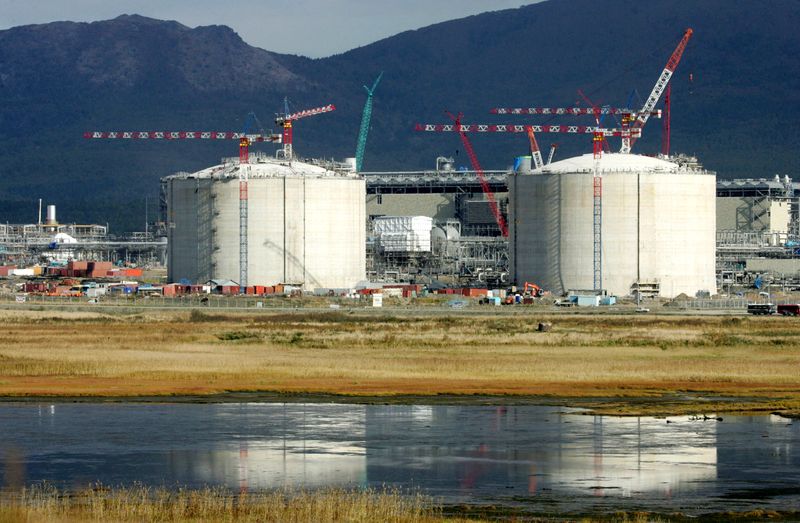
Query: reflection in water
{"points": [[539, 450], [241, 446], [544, 456]]}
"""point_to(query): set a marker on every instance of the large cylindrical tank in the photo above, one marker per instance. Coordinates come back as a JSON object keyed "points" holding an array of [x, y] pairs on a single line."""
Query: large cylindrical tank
{"points": [[305, 225], [658, 225]]}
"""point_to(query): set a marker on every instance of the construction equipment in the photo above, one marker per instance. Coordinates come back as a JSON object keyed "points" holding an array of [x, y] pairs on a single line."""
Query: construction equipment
{"points": [[244, 138], [285, 120], [598, 115], [476, 166], [553, 147], [561, 111], [181, 135], [536, 154], [661, 84], [365, 118], [598, 112], [533, 289], [520, 128], [665, 129]]}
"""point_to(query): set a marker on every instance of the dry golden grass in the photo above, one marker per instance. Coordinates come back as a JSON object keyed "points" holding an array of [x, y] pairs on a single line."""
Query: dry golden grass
{"points": [[371, 354], [39, 503], [46, 504]]}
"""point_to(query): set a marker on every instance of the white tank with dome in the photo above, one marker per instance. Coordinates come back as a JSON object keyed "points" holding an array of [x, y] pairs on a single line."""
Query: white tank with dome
{"points": [[306, 224], [658, 225]]}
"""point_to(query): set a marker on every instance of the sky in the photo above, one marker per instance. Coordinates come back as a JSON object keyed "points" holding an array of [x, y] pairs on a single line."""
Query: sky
{"points": [[314, 28]]}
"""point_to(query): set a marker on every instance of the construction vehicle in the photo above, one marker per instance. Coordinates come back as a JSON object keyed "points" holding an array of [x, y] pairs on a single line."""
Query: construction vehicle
{"points": [[533, 289], [526, 297]]}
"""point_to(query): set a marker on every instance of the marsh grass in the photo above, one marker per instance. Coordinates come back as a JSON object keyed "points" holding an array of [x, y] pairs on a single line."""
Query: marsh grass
{"points": [[141, 503], [377, 354]]}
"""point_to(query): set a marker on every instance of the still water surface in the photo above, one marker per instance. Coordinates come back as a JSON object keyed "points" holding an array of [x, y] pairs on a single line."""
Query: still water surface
{"points": [[544, 458]]}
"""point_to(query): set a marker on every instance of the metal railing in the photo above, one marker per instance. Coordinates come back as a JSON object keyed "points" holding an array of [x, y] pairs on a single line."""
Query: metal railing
{"points": [[158, 302], [714, 304]]}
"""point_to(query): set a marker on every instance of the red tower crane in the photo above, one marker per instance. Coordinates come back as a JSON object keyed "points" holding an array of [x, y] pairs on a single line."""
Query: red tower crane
{"points": [[245, 139], [285, 120]]}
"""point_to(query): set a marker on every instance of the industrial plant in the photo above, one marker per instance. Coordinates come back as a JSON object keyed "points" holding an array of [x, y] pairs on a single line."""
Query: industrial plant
{"points": [[608, 223]]}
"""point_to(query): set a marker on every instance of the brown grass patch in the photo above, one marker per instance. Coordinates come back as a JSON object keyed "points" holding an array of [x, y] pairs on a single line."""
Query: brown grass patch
{"points": [[375, 354]]}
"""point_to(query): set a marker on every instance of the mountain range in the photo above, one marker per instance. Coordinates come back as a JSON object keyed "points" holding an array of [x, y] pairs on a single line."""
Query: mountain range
{"points": [[735, 94]]}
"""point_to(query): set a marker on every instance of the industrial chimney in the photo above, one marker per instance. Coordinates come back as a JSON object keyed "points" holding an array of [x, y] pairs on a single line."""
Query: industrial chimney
{"points": [[51, 215]]}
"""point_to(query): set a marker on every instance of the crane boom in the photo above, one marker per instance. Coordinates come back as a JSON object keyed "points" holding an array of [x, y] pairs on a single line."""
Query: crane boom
{"points": [[517, 128], [568, 111], [285, 120], [310, 112], [361, 146], [181, 135], [658, 90]]}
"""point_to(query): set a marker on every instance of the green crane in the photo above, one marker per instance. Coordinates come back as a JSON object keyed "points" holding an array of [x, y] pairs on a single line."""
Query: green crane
{"points": [[365, 117]]}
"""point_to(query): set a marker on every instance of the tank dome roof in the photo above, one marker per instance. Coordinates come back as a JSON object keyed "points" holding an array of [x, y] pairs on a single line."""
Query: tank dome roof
{"points": [[263, 166], [610, 162]]}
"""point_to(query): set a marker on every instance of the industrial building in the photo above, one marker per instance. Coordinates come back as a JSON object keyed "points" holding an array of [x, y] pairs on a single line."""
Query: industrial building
{"points": [[658, 225], [49, 239], [305, 223], [757, 205]]}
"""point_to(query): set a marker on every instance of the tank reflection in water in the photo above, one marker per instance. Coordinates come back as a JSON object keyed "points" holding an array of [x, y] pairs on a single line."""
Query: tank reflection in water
{"points": [[546, 458]]}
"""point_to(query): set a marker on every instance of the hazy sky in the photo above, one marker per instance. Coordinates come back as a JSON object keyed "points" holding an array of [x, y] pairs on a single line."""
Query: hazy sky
{"points": [[313, 28]]}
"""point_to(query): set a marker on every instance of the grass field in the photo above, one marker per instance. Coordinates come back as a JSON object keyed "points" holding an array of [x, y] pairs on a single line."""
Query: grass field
{"points": [[47, 504], [44, 503], [619, 358]]}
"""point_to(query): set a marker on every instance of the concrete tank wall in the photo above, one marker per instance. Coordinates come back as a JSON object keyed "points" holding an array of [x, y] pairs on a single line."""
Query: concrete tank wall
{"points": [[189, 235], [657, 227], [302, 230]]}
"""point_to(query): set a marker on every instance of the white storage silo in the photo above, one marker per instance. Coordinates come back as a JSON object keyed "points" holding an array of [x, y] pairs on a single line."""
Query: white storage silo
{"points": [[658, 225], [306, 224]]}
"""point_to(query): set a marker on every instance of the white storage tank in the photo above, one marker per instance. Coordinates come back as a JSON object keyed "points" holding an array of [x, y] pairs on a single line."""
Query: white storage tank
{"points": [[658, 225], [306, 224]]}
